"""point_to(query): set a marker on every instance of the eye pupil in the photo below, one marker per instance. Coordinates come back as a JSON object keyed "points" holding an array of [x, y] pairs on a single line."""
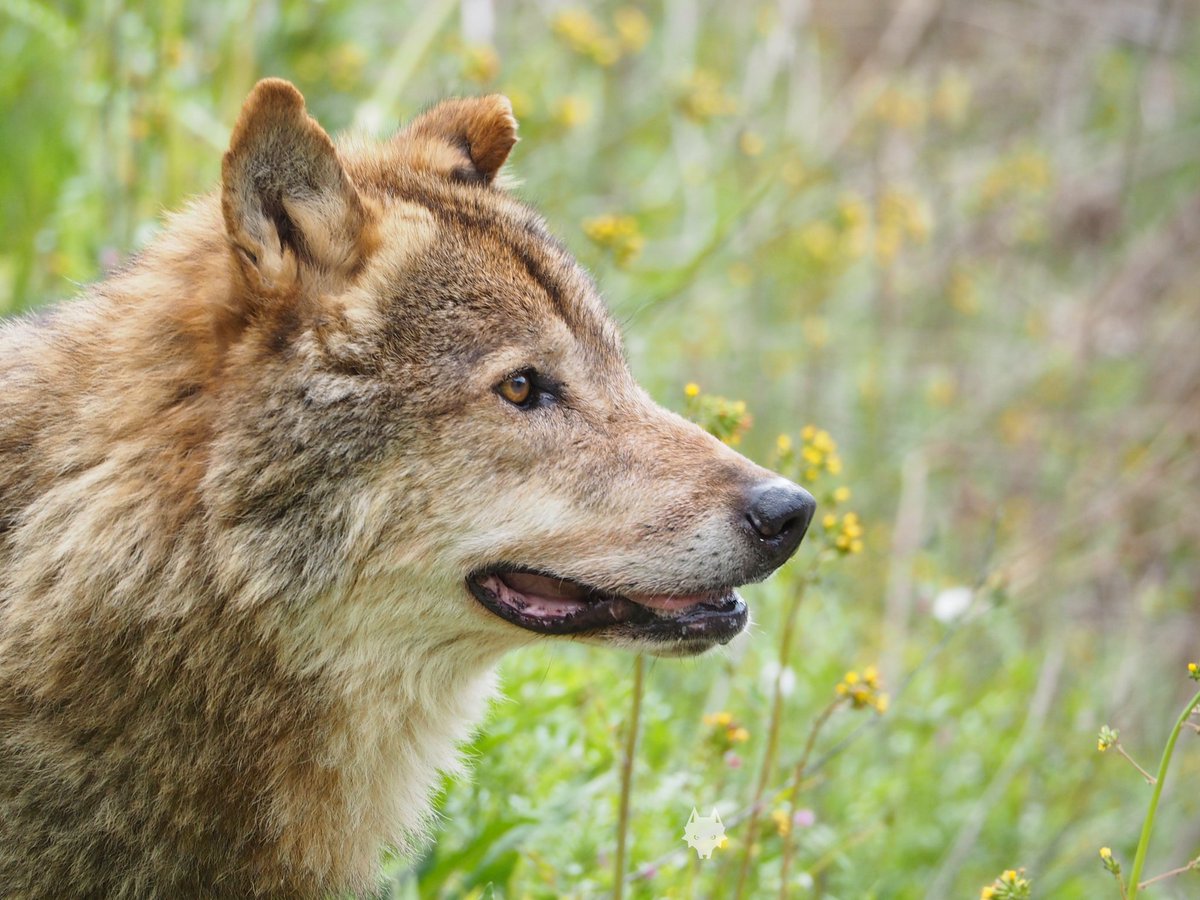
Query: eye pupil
{"points": [[517, 389]]}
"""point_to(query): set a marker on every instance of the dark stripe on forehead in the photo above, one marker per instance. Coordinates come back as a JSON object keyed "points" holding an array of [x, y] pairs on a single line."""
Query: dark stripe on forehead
{"points": [[538, 273], [447, 208]]}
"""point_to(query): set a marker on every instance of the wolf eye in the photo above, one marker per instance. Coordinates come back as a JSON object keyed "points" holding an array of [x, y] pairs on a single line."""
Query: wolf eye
{"points": [[517, 388]]}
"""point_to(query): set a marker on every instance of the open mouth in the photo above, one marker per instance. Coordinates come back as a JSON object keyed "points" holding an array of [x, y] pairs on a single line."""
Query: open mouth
{"points": [[547, 604]]}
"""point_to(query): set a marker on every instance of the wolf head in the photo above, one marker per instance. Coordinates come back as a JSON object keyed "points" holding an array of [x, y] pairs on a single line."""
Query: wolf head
{"points": [[704, 833], [430, 401]]}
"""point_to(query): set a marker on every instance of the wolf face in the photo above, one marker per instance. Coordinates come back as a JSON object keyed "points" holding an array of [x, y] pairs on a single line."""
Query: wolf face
{"points": [[704, 834], [275, 498], [514, 469]]}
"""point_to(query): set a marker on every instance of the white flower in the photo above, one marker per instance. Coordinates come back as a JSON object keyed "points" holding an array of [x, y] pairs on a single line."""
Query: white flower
{"points": [[787, 683], [951, 603]]}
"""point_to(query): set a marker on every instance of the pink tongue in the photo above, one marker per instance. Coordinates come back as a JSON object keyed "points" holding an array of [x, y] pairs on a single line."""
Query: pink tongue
{"points": [[542, 595], [541, 586], [670, 602]]}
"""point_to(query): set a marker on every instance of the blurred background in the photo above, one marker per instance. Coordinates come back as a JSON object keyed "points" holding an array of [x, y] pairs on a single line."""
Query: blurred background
{"points": [[940, 259]]}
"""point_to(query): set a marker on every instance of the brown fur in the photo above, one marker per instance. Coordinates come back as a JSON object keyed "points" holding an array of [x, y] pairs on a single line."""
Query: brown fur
{"points": [[241, 484]]}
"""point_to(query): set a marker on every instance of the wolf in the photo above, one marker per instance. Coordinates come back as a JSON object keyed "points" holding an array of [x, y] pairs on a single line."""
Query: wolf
{"points": [[704, 834], [275, 499]]}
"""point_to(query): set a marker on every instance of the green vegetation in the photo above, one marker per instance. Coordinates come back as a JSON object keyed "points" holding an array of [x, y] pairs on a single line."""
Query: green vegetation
{"points": [[959, 237]]}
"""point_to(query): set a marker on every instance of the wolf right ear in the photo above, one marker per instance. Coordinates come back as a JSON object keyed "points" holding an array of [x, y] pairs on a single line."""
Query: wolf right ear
{"points": [[285, 196], [466, 140]]}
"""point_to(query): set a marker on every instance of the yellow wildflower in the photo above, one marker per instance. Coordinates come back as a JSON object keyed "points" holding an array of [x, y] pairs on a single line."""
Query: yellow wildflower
{"points": [[1023, 174], [691, 389], [852, 210], [793, 173], [847, 534], [725, 419], [1109, 861], [904, 213], [816, 331], [782, 824], [522, 102], [741, 274], [704, 97], [1012, 885], [633, 28], [586, 36], [863, 690], [617, 233], [899, 108], [751, 143], [819, 241], [718, 719], [941, 389], [963, 295], [887, 245], [481, 63], [572, 110], [1108, 737], [951, 99], [346, 65]]}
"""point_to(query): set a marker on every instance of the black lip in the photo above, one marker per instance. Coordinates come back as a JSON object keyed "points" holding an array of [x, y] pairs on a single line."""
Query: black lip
{"points": [[611, 615]]}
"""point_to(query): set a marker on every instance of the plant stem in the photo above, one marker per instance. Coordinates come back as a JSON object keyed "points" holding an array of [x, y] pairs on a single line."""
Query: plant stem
{"points": [[1139, 859], [797, 778], [410, 50], [1194, 864], [768, 763], [1149, 778], [635, 716]]}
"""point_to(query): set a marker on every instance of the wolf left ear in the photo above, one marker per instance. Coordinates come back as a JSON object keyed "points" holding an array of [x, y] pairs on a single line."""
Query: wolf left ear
{"points": [[285, 196], [467, 140]]}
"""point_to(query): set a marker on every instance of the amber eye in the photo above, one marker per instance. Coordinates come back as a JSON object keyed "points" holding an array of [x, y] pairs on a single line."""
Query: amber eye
{"points": [[517, 388]]}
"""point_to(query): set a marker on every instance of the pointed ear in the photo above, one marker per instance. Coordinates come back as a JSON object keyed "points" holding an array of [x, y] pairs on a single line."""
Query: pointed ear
{"points": [[466, 140], [693, 818], [717, 816], [285, 196]]}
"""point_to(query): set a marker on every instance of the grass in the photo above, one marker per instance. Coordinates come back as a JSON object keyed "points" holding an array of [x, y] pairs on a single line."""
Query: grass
{"points": [[960, 237]]}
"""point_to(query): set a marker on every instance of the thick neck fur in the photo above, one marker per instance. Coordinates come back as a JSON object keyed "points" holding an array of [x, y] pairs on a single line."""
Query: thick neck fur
{"points": [[180, 678]]}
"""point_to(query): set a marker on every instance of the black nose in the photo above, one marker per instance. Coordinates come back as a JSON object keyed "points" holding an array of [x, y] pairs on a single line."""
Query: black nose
{"points": [[779, 512]]}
